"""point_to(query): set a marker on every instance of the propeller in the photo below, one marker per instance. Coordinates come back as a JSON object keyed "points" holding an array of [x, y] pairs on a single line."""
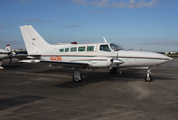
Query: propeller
{"points": [[10, 61], [115, 62], [10, 54]]}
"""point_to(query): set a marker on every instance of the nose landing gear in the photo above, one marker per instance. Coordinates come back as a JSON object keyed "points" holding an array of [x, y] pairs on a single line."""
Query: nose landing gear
{"points": [[148, 77]]}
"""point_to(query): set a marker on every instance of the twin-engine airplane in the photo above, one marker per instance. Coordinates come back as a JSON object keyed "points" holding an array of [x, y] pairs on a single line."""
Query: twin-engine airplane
{"points": [[95, 55]]}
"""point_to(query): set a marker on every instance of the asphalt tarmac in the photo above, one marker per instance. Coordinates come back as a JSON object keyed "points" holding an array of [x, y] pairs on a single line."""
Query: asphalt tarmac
{"points": [[37, 91]]}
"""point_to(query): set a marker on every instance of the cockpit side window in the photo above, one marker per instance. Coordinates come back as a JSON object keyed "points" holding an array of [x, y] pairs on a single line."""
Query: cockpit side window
{"points": [[115, 47], [105, 48]]}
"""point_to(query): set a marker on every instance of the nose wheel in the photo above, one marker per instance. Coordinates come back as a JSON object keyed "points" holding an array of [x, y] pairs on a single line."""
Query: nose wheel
{"points": [[148, 77]]}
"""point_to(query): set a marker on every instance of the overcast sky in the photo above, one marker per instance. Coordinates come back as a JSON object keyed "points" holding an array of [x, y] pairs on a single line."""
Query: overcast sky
{"points": [[150, 25]]}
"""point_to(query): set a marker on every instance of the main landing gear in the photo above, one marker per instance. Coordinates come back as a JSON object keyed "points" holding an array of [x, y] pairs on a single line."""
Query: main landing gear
{"points": [[77, 77], [113, 71], [148, 77]]}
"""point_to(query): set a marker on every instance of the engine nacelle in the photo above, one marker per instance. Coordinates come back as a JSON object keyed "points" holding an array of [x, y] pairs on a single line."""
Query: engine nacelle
{"points": [[29, 61]]}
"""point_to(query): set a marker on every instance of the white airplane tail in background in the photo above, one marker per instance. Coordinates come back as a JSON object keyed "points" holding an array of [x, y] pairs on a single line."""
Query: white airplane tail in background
{"points": [[34, 43], [8, 47]]}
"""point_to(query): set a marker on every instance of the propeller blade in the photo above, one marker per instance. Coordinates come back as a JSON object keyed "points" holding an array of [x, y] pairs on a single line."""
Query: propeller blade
{"points": [[112, 65], [115, 62]]}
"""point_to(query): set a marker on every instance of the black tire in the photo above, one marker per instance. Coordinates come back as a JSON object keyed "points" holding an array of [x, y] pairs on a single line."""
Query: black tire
{"points": [[113, 71], [150, 79], [77, 81]]}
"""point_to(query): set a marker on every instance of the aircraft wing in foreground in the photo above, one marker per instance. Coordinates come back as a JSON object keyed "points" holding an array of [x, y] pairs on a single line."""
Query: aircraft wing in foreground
{"points": [[95, 55]]}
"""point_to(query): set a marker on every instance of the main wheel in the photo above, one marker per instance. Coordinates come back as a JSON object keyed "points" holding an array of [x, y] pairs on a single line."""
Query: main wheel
{"points": [[113, 70], [148, 79], [76, 80]]}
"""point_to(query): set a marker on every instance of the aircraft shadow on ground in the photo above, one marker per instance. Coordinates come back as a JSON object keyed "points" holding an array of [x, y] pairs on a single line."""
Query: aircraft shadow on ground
{"points": [[88, 76], [56, 71]]}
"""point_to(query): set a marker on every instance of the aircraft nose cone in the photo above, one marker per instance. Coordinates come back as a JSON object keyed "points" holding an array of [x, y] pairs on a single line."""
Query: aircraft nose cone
{"points": [[157, 58], [170, 58], [165, 58]]}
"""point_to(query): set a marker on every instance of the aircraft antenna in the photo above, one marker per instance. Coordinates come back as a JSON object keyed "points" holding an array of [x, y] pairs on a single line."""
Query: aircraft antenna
{"points": [[105, 40]]}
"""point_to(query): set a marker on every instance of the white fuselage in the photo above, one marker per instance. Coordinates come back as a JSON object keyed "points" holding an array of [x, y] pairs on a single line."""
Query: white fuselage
{"points": [[81, 56], [95, 56]]}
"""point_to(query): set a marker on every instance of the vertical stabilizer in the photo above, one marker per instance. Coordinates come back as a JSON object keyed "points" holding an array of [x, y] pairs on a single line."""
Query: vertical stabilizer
{"points": [[34, 43]]}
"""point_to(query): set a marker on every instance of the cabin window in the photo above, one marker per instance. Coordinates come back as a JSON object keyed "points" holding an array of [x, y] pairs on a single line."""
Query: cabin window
{"points": [[66, 49], [81, 49], [73, 49], [105, 48], [90, 48], [61, 50]]}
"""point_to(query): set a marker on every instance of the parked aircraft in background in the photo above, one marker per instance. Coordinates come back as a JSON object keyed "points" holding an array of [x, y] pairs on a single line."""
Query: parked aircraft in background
{"points": [[95, 55], [4, 54], [8, 47], [7, 54]]}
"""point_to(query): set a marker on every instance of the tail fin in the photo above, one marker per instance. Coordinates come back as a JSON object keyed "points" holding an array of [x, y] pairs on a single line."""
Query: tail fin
{"points": [[34, 43], [8, 47]]}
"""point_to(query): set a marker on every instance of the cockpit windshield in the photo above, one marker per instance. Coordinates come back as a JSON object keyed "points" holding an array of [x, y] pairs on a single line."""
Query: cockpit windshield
{"points": [[115, 47]]}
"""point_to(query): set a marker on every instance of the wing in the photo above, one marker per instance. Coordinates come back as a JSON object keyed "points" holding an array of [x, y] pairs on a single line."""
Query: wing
{"points": [[68, 64], [26, 56]]}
